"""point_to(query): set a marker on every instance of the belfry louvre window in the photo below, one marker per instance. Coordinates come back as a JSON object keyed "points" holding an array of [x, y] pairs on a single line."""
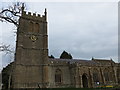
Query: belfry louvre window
{"points": [[58, 76], [34, 27], [31, 27]]}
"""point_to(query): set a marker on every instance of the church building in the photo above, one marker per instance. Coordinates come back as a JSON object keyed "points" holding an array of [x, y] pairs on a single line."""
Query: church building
{"points": [[33, 68]]}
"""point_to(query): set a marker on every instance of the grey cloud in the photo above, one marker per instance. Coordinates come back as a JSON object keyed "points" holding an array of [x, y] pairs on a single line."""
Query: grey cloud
{"points": [[82, 29]]}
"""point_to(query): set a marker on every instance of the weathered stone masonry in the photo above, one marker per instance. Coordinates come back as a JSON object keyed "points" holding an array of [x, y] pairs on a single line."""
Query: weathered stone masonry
{"points": [[33, 68]]}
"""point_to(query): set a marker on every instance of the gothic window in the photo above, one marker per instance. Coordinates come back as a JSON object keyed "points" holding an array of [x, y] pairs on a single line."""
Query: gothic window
{"points": [[106, 76], [36, 27], [58, 76], [95, 76], [31, 27], [111, 76]]}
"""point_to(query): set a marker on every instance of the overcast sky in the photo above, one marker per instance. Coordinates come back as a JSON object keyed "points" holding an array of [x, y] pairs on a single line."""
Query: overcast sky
{"points": [[84, 29]]}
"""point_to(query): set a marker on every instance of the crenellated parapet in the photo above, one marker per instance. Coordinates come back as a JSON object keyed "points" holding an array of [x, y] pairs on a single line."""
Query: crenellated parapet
{"points": [[34, 16]]}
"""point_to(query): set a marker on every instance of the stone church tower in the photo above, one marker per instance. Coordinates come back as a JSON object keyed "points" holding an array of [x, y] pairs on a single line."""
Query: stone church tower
{"points": [[31, 68]]}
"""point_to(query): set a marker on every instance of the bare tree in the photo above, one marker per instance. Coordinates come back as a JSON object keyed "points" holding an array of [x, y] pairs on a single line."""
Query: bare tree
{"points": [[12, 13]]}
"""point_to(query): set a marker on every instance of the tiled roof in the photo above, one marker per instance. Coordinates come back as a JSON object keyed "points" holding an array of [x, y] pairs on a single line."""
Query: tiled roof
{"points": [[72, 61], [82, 62]]}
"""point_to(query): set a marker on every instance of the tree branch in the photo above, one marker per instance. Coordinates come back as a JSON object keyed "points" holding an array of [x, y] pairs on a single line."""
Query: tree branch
{"points": [[5, 48], [9, 20], [12, 13]]}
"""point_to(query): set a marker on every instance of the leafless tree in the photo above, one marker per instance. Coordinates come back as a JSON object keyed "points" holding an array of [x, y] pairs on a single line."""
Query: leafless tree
{"points": [[12, 13]]}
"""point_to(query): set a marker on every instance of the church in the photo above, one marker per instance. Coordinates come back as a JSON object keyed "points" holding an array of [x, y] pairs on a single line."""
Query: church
{"points": [[33, 68]]}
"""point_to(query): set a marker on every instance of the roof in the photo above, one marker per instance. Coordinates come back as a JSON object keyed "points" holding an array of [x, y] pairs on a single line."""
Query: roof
{"points": [[81, 61], [73, 61]]}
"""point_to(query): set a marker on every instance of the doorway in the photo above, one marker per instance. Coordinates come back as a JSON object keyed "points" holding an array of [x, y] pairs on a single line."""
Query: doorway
{"points": [[84, 81]]}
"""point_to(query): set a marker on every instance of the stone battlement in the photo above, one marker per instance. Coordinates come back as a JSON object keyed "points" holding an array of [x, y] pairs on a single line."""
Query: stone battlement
{"points": [[34, 16]]}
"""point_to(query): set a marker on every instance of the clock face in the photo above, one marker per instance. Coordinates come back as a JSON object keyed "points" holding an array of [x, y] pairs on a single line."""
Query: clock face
{"points": [[33, 38]]}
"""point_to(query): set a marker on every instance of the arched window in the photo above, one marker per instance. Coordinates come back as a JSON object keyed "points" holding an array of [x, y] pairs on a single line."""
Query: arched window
{"points": [[106, 75], [111, 75], [58, 76], [36, 28], [31, 27], [96, 76]]}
